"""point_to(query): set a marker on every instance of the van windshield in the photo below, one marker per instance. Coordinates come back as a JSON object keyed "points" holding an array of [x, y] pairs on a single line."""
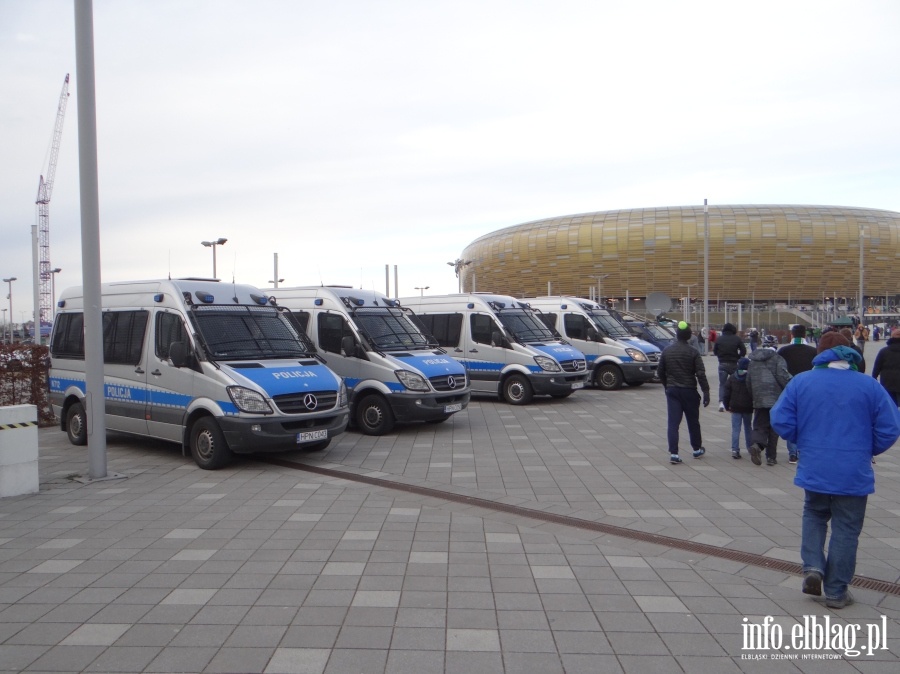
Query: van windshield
{"points": [[525, 326], [609, 325], [390, 329], [659, 332], [243, 332]]}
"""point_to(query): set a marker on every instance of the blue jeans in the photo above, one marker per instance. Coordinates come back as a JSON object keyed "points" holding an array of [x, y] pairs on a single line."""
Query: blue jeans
{"points": [[738, 418], [723, 377], [792, 449], [683, 402], [846, 514]]}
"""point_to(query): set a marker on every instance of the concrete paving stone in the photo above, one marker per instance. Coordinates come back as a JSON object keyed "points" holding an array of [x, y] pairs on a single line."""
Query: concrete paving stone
{"points": [[415, 662], [244, 659], [459, 662], [124, 659], [66, 659], [356, 660], [38, 634]]}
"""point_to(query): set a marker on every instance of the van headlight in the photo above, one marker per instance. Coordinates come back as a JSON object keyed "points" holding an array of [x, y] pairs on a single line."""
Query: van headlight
{"points": [[637, 355], [342, 395], [248, 400], [547, 363], [411, 380]]}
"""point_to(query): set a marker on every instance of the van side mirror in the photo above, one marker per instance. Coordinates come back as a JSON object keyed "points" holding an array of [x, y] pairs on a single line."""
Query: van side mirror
{"points": [[179, 354], [497, 339], [593, 335], [348, 346]]}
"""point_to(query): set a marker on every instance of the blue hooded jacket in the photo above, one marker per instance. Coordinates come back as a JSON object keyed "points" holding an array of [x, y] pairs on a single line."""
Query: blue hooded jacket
{"points": [[839, 418]]}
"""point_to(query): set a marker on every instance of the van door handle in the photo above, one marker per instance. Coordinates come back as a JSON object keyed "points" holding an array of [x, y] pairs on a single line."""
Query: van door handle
{"points": [[156, 372], [138, 370], [457, 350], [473, 350]]}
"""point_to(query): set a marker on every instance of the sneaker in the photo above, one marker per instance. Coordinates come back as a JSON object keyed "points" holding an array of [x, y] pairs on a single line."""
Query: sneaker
{"points": [[839, 602], [721, 407], [812, 583], [771, 462], [792, 459], [755, 451], [700, 451], [674, 458], [735, 454]]}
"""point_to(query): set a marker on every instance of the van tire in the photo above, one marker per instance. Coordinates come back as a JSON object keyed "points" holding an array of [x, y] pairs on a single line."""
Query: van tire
{"points": [[76, 424], [373, 415], [517, 390], [208, 445], [608, 377]]}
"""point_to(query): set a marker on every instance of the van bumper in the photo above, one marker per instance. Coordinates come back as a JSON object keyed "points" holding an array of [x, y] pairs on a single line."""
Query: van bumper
{"points": [[407, 408], [557, 383], [279, 434], [633, 372]]}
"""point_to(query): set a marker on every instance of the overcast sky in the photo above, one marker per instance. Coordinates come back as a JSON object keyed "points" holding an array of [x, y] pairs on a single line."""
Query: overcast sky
{"points": [[347, 135]]}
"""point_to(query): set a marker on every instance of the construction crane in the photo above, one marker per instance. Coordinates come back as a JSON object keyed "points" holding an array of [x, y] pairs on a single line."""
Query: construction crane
{"points": [[45, 189]]}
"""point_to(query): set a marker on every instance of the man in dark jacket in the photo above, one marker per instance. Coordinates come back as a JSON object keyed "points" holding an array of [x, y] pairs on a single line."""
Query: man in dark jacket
{"points": [[766, 378], [887, 366], [799, 358], [729, 349], [680, 371]]}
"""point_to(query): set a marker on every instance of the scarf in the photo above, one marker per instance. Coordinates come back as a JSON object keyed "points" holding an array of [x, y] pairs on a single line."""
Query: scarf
{"points": [[840, 357]]}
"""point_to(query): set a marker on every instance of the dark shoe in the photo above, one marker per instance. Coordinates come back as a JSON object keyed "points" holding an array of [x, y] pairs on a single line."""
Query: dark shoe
{"points": [[755, 451], [792, 460], [735, 454], [840, 602], [771, 462], [700, 451], [674, 458], [812, 583]]}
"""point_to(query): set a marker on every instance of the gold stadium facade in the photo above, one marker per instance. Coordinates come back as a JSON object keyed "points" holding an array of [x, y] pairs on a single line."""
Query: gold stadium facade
{"points": [[761, 253]]}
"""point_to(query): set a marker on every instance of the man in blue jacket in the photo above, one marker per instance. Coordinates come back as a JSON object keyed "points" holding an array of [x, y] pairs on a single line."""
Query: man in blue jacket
{"points": [[839, 419]]}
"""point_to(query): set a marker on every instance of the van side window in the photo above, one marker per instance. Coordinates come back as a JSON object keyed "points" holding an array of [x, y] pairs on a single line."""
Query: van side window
{"points": [[123, 336], [482, 327], [169, 328], [576, 326], [332, 329], [548, 319], [68, 336], [299, 319], [445, 328]]}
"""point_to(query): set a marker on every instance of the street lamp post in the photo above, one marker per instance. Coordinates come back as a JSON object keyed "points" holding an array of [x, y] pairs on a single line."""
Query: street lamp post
{"points": [[599, 298], [458, 265], [3, 336], [422, 290], [53, 273], [213, 244], [9, 281]]}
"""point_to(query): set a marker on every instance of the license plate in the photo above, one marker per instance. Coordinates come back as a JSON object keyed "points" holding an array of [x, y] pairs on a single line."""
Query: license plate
{"points": [[455, 407], [312, 435], [577, 385]]}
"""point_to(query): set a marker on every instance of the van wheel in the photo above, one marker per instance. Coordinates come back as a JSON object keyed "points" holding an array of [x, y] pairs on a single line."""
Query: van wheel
{"points": [[608, 377], [76, 424], [208, 446], [373, 415], [517, 390]]}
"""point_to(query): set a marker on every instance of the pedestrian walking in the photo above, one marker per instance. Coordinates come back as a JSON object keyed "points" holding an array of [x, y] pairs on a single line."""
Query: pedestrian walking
{"points": [[767, 376], [729, 349], [798, 355], [848, 335], [887, 366], [680, 371], [739, 402], [754, 339], [840, 421]]}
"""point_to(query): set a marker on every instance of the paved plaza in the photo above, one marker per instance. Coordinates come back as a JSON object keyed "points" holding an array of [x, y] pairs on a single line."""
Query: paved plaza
{"points": [[269, 567]]}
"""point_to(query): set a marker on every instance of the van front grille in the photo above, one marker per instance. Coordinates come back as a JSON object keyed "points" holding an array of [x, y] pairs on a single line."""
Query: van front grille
{"points": [[452, 382], [305, 403], [577, 365]]}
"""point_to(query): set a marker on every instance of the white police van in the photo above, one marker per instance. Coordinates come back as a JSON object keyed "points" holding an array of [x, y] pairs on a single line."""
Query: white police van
{"points": [[392, 371], [210, 365], [504, 346], [613, 354]]}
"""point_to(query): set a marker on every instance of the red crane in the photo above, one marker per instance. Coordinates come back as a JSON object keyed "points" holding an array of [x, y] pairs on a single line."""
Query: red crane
{"points": [[45, 189]]}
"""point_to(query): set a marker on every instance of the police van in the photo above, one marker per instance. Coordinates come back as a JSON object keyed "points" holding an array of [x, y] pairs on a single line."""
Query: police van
{"points": [[613, 354], [504, 346], [393, 372], [210, 365]]}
